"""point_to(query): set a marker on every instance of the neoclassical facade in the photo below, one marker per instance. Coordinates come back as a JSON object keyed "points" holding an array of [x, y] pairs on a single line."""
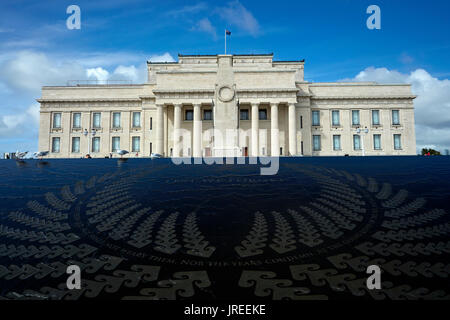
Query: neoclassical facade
{"points": [[227, 105]]}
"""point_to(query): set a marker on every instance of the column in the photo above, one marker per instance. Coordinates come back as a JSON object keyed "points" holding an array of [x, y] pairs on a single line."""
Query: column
{"points": [[255, 129], [292, 130], [274, 131], [159, 129], [197, 132], [176, 130]]}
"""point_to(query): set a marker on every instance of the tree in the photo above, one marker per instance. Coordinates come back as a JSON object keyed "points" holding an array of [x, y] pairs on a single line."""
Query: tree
{"points": [[430, 152]]}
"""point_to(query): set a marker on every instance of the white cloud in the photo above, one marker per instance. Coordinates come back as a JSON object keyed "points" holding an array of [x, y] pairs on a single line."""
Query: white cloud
{"points": [[21, 123], [235, 14], [204, 25], [97, 73], [130, 73], [432, 105], [188, 10], [23, 73], [166, 57], [29, 70]]}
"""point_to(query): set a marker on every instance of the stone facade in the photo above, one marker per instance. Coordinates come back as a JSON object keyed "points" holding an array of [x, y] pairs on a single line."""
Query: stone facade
{"points": [[227, 105]]}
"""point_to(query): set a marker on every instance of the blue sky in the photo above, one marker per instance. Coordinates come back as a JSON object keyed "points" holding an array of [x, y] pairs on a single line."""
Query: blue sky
{"points": [[117, 37]]}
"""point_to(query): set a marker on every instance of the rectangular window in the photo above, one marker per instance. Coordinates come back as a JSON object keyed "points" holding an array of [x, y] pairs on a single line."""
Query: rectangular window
{"points": [[151, 123], [115, 144], [316, 143], [244, 114], [301, 122], [355, 117], [356, 142], [75, 144], [116, 120], [335, 118], [57, 120], [55, 144], [189, 115], [336, 142], [96, 120], [151, 148], [136, 144], [397, 142], [377, 141], [207, 115], [316, 118], [376, 117], [136, 119], [263, 114], [395, 117], [76, 121], [96, 144]]}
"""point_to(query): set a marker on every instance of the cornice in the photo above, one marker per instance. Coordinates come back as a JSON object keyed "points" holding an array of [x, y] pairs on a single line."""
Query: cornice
{"points": [[90, 100], [268, 90], [362, 97], [204, 90]]}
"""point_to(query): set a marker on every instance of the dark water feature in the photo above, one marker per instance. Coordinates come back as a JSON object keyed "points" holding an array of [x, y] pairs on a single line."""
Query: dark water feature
{"points": [[149, 229]]}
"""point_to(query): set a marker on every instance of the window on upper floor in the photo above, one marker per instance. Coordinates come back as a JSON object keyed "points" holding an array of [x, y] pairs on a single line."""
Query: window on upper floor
{"points": [[376, 117], [207, 115], [335, 119], [244, 115], [189, 115], [136, 119], [116, 120], [96, 120], [355, 118], [57, 120], [316, 118], [395, 117], [262, 114], [76, 120]]}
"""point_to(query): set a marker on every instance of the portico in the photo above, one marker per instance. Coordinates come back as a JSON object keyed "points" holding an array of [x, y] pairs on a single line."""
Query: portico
{"points": [[192, 138]]}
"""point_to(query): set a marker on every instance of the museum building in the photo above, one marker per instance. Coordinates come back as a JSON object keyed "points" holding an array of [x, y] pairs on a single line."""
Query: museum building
{"points": [[227, 105]]}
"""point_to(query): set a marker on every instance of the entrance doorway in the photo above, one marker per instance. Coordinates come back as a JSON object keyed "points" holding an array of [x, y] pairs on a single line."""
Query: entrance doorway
{"points": [[245, 152]]}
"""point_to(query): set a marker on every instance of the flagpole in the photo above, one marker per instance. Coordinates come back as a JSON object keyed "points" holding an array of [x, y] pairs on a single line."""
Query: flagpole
{"points": [[225, 41]]}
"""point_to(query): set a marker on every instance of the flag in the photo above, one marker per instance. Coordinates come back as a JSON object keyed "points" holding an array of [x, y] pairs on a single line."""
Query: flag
{"points": [[228, 32]]}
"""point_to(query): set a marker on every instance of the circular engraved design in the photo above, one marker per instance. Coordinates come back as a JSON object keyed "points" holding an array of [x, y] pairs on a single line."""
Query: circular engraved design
{"points": [[226, 94], [151, 233]]}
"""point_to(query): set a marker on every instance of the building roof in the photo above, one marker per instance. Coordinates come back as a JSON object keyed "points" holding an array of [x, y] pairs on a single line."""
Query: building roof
{"points": [[234, 55], [215, 55]]}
